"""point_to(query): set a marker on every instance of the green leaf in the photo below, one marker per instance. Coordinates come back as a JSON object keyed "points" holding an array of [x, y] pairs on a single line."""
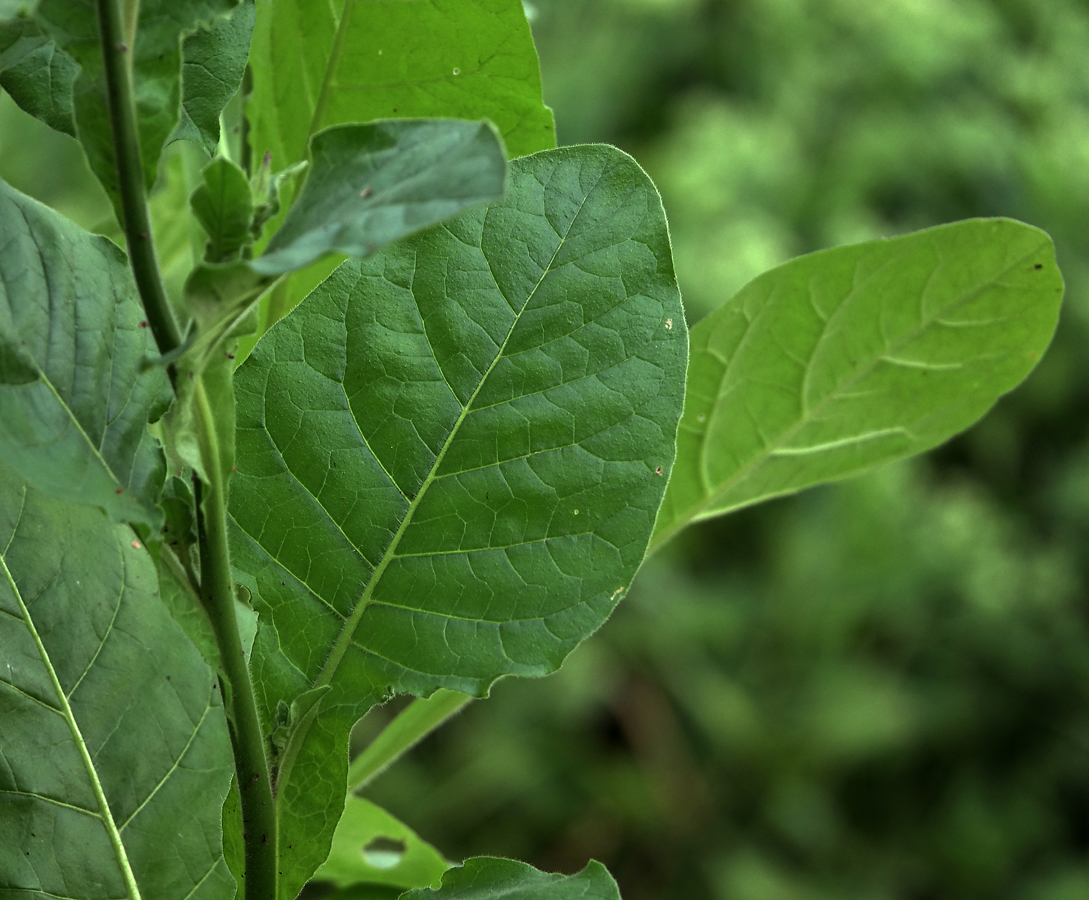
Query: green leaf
{"points": [[451, 457], [213, 62], [371, 846], [322, 64], [224, 207], [844, 359], [116, 754], [487, 878], [72, 35], [317, 65], [371, 184], [37, 74], [74, 405]]}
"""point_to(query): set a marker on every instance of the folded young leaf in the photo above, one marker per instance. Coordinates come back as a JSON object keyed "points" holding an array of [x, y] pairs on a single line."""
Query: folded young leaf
{"points": [[451, 458], [213, 61], [843, 359], [116, 753], [371, 846], [74, 405], [70, 43], [370, 184], [488, 878], [223, 205]]}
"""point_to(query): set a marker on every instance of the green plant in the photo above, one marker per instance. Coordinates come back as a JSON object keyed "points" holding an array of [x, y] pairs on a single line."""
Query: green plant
{"points": [[444, 466]]}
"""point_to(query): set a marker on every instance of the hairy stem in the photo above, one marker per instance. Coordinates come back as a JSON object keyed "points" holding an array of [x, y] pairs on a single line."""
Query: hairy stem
{"points": [[413, 724], [217, 592], [116, 54]]}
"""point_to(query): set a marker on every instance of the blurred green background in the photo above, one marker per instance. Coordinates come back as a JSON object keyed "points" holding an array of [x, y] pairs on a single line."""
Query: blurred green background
{"points": [[877, 690]]}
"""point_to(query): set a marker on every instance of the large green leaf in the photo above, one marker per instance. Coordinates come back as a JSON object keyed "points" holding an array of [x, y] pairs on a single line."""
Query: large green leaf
{"points": [[371, 846], [74, 405], [371, 184], [115, 751], [487, 878], [62, 38], [322, 64], [851, 357], [451, 456]]}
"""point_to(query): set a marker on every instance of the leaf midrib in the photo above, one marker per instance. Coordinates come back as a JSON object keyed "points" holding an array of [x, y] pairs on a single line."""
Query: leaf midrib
{"points": [[330, 69], [105, 815], [347, 631], [694, 511]]}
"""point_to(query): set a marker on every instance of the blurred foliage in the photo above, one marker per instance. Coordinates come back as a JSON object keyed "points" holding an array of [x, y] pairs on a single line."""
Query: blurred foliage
{"points": [[872, 691]]}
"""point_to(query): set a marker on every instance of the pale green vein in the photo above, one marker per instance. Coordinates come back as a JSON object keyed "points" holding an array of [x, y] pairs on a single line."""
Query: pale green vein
{"points": [[52, 801], [347, 631], [92, 774], [174, 766]]}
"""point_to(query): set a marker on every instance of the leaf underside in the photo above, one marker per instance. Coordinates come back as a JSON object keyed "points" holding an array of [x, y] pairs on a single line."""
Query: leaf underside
{"points": [[451, 456], [370, 184], [847, 358], [74, 405], [112, 722]]}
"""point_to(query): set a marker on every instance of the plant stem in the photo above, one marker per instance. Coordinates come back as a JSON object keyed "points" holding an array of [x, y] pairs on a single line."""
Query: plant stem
{"points": [[217, 591], [116, 55], [413, 724]]}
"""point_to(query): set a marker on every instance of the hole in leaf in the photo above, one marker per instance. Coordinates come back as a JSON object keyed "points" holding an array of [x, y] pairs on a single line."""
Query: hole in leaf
{"points": [[384, 852]]}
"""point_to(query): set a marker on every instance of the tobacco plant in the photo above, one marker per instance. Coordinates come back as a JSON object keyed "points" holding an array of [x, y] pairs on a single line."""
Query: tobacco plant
{"points": [[419, 409]]}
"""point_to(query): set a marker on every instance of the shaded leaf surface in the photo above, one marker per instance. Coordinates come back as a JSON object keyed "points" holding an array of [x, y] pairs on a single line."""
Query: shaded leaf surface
{"points": [[38, 74], [488, 878], [851, 357], [116, 757], [71, 30], [74, 407], [372, 846], [451, 457], [371, 184]]}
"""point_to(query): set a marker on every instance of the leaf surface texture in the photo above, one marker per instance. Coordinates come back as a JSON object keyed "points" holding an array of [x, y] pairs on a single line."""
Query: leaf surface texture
{"points": [[74, 405], [114, 758], [451, 456]]}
